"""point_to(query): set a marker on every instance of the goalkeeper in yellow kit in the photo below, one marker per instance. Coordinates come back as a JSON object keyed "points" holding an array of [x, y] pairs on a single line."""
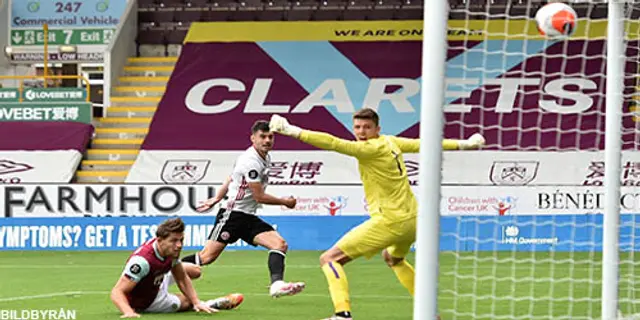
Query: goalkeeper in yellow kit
{"points": [[392, 205]]}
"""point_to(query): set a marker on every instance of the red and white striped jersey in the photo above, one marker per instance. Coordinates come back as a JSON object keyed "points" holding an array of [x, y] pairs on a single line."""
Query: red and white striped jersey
{"points": [[249, 167]]}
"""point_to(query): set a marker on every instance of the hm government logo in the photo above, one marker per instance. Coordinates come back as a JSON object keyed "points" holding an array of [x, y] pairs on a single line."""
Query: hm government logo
{"points": [[184, 171], [513, 235], [513, 173], [512, 231]]}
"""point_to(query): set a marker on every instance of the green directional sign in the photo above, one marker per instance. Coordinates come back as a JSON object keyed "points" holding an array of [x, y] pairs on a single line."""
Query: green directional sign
{"points": [[78, 112], [56, 37]]}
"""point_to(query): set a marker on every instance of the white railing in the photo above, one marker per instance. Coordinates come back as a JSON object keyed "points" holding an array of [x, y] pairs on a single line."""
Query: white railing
{"points": [[121, 47]]}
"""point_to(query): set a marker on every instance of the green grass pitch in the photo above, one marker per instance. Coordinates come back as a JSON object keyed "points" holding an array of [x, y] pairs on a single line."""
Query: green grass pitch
{"points": [[82, 281], [484, 289]]}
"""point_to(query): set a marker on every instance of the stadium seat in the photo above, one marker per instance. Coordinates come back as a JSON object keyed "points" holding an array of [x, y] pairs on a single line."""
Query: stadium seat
{"points": [[329, 10], [151, 36], [187, 16], [410, 10], [163, 18], [146, 18], [177, 35], [498, 10], [218, 14], [144, 5], [248, 10], [635, 11], [358, 10], [220, 10], [215, 4], [475, 5], [197, 3], [598, 11], [522, 10], [275, 10], [384, 9], [458, 14], [582, 9], [302, 10], [171, 4]]}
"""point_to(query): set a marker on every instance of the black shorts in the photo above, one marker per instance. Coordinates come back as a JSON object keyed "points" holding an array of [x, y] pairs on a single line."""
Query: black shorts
{"points": [[233, 225]]}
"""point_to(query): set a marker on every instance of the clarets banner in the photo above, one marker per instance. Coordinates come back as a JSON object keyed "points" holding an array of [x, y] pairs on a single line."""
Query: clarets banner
{"points": [[533, 95]]}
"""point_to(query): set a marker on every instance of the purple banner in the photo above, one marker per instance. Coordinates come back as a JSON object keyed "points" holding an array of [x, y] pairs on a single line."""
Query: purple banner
{"points": [[41, 136], [532, 95]]}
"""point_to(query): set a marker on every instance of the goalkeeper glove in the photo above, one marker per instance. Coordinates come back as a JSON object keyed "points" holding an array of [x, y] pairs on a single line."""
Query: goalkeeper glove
{"points": [[281, 125], [474, 142]]}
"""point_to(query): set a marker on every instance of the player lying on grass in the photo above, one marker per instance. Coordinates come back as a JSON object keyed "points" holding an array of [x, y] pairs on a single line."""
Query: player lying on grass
{"points": [[392, 205], [237, 219], [143, 285]]}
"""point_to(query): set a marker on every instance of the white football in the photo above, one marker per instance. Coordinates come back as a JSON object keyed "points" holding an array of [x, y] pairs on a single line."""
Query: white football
{"points": [[556, 20]]}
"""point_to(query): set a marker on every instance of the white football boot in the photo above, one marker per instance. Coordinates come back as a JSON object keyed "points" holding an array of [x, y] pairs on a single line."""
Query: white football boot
{"points": [[281, 288]]}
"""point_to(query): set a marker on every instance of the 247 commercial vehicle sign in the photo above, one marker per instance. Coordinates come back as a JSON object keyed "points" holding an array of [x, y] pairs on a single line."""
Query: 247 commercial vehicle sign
{"points": [[84, 22]]}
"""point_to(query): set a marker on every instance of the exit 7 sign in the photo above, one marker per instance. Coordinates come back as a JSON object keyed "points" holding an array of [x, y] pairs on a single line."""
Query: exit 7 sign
{"points": [[61, 37]]}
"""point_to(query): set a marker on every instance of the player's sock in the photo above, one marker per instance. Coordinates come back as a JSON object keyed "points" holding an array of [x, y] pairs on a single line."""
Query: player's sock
{"points": [[276, 265], [338, 286], [406, 275], [193, 258]]}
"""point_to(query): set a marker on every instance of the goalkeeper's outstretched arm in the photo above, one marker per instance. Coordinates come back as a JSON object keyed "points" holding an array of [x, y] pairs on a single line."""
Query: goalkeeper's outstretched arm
{"points": [[408, 145], [361, 149], [322, 140]]}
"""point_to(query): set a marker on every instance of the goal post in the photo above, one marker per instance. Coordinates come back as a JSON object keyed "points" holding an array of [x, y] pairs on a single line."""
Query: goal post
{"points": [[613, 157], [431, 125], [529, 228]]}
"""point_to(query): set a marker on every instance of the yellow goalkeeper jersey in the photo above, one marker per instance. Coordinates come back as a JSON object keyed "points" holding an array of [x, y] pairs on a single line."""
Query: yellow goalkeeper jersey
{"points": [[382, 170]]}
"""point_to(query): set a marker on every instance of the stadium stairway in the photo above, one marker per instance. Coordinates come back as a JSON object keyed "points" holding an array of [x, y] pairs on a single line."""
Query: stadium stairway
{"points": [[119, 135]]}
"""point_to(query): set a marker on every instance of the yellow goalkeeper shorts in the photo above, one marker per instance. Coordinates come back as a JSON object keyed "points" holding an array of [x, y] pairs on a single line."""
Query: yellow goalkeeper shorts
{"points": [[372, 236]]}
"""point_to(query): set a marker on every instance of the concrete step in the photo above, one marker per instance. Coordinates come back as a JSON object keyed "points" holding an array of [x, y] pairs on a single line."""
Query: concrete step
{"points": [[135, 91], [106, 165], [131, 112], [147, 71], [152, 61], [134, 101], [121, 133], [100, 176], [117, 143], [119, 122], [144, 81], [111, 154]]}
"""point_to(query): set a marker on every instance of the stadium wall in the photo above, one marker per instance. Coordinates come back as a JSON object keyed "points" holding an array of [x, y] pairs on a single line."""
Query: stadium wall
{"points": [[542, 207], [120, 217], [571, 233]]}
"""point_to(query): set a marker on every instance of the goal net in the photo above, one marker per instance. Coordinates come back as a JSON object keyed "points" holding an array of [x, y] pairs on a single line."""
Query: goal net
{"points": [[521, 226]]}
